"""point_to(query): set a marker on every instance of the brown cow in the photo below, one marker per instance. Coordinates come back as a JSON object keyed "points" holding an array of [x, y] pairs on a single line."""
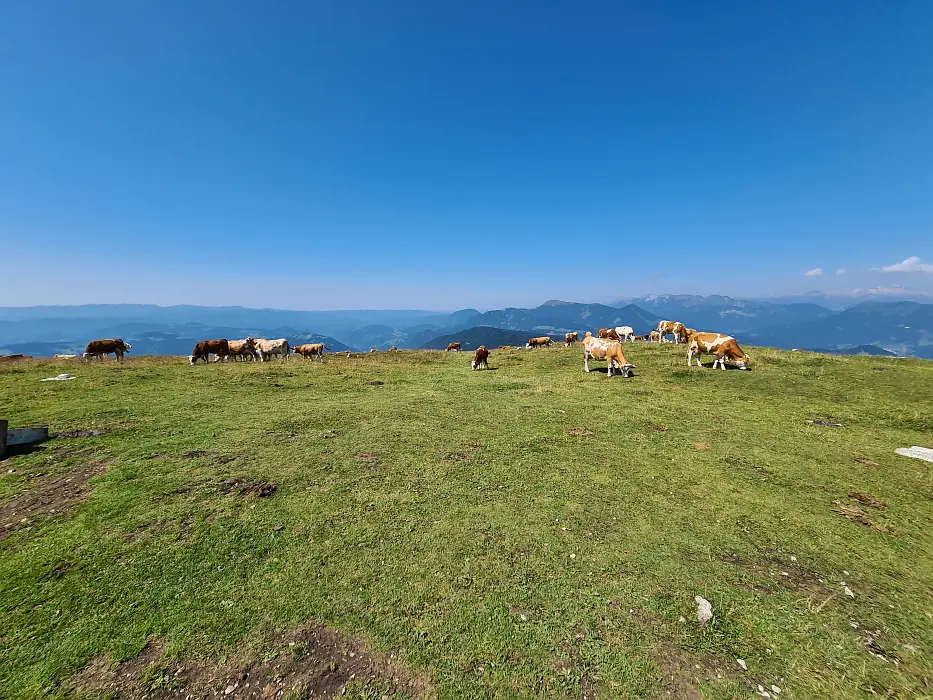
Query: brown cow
{"points": [[99, 348], [541, 342], [311, 350], [505, 347], [245, 349], [204, 349], [606, 349], [453, 346], [480, 359], [392, 349], [723, 347], [608, 333], [570, 338], [675, 328]]}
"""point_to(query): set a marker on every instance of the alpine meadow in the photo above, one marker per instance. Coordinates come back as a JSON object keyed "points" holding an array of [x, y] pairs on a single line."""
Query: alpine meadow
{"points": [[397, 525]]}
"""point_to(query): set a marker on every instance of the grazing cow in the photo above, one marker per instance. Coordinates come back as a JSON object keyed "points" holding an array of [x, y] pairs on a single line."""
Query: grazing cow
{"points": [[625, 333], [311, 350], [723, 347], [245, 349], [542, 342], [606, 349], [99, 348], [204, 349], [655, 337], [675, 328], [453, 346], [505, 347], [392, 349], [570, 338], [480, 359], [608, 333], [267, 348]]}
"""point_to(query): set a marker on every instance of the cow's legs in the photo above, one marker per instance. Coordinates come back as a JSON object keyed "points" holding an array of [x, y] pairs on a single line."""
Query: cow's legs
{"points": [[586, 363]]}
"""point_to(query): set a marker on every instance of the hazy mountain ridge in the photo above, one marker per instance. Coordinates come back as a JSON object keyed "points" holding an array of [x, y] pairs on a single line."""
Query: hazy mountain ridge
{"points": [[902, 327]]}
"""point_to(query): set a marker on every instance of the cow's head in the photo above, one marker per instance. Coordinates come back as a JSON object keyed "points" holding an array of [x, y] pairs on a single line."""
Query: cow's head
{"points": [[192, 359], [741, 361]]}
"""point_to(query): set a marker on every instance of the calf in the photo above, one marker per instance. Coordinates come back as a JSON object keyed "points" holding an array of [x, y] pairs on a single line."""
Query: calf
{"points": [[480, 359], [542, 342], [723, 347], [205, 348], [99, 348], [269, 348], [606, 349], [245, 349], [311, 350], [570, 338], [455, 347], [609, 333]]}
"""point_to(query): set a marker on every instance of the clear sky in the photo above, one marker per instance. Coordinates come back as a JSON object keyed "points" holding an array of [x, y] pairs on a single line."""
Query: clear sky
{"points": [[438, 155]]}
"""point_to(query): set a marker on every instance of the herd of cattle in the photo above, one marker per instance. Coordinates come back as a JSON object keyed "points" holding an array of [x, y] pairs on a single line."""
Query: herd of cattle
{"points": [[606, 346]]}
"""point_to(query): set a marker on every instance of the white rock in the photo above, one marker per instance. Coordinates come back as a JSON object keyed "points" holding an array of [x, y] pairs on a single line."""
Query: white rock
{"points": [[742, 663], [848, 592], [704, 610], [775, 690], [793, 558]]}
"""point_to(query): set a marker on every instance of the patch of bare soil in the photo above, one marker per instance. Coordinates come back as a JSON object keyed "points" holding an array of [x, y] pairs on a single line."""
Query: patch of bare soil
{"points": [[313, 661], [80, 433], [580, 431], [868, 500], [48, 495], [680, 676], [781, 572], [857, 515]]}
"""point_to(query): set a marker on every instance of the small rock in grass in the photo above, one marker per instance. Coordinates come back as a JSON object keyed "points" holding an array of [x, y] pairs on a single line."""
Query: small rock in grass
{"points": [[742, 663], [704, 610], [848, 592]]}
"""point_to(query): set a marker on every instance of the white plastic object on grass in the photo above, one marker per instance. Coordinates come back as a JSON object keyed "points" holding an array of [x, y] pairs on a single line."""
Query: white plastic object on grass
{"points": [[924, 453], [59, 378]]}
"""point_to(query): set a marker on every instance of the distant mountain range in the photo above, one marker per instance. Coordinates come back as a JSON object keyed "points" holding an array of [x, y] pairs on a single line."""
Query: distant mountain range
{"points": [[901, 327]]}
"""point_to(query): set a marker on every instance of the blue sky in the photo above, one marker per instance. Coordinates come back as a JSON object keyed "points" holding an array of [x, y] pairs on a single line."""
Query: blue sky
{"points": [[441, 155]]}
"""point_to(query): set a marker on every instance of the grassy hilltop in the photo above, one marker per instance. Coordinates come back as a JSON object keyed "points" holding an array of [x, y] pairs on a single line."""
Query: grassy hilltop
{"points": [[531, 531]]}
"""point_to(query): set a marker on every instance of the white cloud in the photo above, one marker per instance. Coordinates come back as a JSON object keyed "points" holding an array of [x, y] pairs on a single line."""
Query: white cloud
{"points": [[815, 272], [911, 264], [841, 271]]}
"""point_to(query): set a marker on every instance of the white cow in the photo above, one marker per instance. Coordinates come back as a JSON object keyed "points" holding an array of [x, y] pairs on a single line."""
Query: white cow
{"points": [[626, 333], [267, 348]]}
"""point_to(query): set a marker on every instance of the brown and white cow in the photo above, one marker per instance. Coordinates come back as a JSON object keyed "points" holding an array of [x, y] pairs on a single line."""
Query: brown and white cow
{"points": [[570, 339], [541, 342], [455, 347], [242, 349], [311, 350], [609, 333], [392, 349], [723, 347], [608, 350], [205, 348], [676, 328], [268, 348], [107, 346], [480, 359]]}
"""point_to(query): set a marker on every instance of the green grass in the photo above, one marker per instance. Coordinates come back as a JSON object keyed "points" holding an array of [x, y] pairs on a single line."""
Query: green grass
{"points": [[473, 506]]}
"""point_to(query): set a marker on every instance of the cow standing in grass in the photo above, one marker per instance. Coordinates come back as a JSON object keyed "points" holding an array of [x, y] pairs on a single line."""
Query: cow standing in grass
{"points": [[453, 347], [570, 338], [311, 350], [204, 349], [724, 347], [608, 350], [675, 328], [99, 348], [542, 342], [272, 348], [480, 359], [608, 333]]}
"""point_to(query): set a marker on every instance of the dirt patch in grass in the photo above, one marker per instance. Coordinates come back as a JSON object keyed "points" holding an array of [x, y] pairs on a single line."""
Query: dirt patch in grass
{"points": [[80, 433], [47, 495], [781, 572], [868, 500], [313, 661], [580, 431], [857, 515]]}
